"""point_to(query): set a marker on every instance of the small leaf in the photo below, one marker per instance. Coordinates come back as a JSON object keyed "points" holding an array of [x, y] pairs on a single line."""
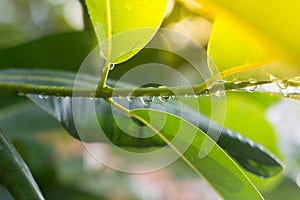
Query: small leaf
{"points": [[127, 24], [14, 173]]}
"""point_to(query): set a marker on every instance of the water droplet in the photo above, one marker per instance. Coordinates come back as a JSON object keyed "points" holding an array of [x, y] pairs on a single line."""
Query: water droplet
{"points": [[129, 7], [146, 2], [220, 93], [220, 82], [147, 100], [164, 98], [283, 84], [131, 99], [235, 81], [251, 88], [60, 98], [273, 78], [43, 96], [21, 94], [92, 98], [252, 81], [286, 94], [111, 66], [297, 78], [206, 92], [133, 52]]}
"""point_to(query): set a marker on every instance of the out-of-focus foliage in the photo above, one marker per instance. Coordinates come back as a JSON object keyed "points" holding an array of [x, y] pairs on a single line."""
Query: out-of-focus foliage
{"points": [[58, 162]]}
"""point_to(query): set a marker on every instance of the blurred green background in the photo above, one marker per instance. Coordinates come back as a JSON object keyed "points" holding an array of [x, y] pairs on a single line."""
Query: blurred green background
{"points": [[55, 34]]}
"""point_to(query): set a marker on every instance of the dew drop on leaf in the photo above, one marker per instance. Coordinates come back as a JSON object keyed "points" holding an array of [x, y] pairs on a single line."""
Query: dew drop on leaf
{"points": [[252, 81], [164, 98], [297, 78], [273, 78], [146, 2], [251, 88], [111, 66], [236, 81], [282, 84], [286, 94], [43, 97], [147, 100], [131, 99], [21, 94], [128, 7], [220, 93]]}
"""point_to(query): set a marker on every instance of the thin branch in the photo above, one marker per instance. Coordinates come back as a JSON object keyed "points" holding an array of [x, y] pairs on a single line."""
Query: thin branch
{"points": [[107, 92]]}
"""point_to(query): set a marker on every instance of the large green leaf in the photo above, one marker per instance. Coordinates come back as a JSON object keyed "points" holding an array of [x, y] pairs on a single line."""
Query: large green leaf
{"points": [[255, 158], [251, 156], [63, 51], [124, 27], [231, 46], [240, 56], [287, 189], [25, 113], [217, 167], [246, 115], [14, 173], [275, 23]]}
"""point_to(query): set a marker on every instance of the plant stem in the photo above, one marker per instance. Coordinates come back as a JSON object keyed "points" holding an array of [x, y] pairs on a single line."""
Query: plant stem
{"points": [[102, 83], [107, 92]]}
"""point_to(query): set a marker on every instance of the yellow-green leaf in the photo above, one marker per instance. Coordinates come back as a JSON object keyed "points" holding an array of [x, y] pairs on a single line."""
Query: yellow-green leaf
{"points": [[275, 21], [240, 55], [123, 27]]}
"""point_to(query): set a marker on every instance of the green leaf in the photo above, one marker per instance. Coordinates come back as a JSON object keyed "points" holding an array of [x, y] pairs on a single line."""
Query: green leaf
{"points": [[259, 161], [274, 23], [25, 112], [125, 25], [253, 157], [287, 189], [217, 167], [246, 115], [241, 57], [231, 46], [63, 51], [14, 173]]}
